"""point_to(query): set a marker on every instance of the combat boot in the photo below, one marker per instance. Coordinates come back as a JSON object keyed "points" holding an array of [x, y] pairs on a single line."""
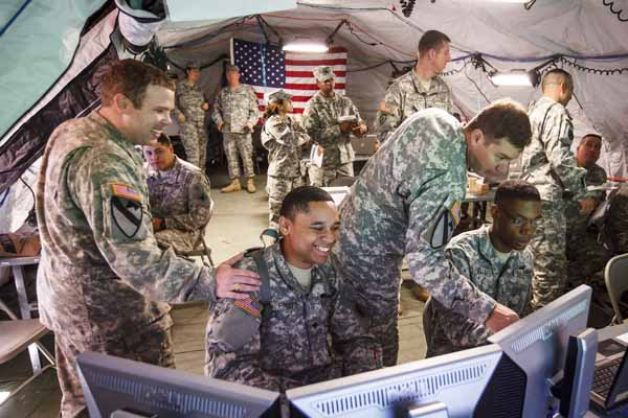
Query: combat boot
{"points": [[234, 186], [250, 186]]}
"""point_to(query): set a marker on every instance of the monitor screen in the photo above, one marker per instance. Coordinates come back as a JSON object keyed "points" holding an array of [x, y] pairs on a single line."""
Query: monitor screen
{"points": [[449, 386], [537, 345], [115, 384]]}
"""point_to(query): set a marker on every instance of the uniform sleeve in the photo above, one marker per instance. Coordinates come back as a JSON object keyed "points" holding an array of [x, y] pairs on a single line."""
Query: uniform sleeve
{"points": [[275, 130], [429, 267], [321, 133], [359, 351], [557, 140], [108, 192], [254, 113], [596, 179], [353, 110], [217, 112], [300, 132], [389, 113], [449, 104], [199, 204]]}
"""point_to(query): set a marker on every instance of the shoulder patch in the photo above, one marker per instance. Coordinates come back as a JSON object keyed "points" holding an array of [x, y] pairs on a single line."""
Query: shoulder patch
{"points": [[126, 192]]}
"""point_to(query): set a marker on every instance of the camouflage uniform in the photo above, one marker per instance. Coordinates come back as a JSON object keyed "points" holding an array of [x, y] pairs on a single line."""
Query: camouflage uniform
{"points": [[406, 96], [548, 163], [181, 198], [300, 337], [616, 223], [585, 255], [235, 109], [320, 119], [283, 138], [190, 102], [509, 282], [404, 203], [99, 254]]}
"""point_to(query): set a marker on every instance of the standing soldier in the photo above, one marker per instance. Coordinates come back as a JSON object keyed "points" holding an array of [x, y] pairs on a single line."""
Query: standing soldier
{"points": [[420, 88], [235, 114], [180, 199], [191, 106], [405, 204], [586, 257], [549, 164], [103, 282], [283, 137], [329, 119]]}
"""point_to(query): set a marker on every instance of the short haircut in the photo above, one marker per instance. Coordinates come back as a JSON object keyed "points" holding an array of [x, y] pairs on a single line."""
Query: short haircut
{"points": [[596, 136], [131, 78], [164, 140], [432, 39], [298, 200], [516, 190], [503, 118], [555, 76]]}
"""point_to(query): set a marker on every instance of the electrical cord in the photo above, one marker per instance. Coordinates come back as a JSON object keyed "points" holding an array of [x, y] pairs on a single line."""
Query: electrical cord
{"points": [[611, 7]]}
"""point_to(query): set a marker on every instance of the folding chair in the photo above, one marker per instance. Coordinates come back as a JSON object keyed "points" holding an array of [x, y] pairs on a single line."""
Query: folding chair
{"points": [[200, 249], [616, 278]]}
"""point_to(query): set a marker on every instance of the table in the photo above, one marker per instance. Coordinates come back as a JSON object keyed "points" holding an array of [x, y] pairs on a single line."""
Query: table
{"points": [[17, 265]]}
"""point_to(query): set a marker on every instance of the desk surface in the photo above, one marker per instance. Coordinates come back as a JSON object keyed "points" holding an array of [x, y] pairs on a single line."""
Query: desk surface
{"points": [[19, 261]]}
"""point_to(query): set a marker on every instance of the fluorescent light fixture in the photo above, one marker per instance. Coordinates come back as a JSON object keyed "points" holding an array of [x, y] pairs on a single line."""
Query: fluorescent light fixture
{"points": [[305, 45], [4, 396], [512, 79]]}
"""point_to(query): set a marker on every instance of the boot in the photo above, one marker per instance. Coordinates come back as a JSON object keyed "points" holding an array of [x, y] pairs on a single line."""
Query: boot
{"points": [[250, 186], [234, 186]]}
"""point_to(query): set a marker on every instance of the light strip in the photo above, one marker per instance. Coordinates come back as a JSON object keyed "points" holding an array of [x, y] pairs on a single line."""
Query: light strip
{"points": [[304, 46], [519, 79]]}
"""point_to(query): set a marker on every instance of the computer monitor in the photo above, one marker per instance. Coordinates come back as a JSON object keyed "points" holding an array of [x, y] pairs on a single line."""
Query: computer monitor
{"points": [[537, 345], [115, 386], [447, 386]]}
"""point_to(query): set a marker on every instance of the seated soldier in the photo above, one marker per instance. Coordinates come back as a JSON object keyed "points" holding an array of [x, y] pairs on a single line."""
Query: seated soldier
{"points": [[301, 327], [180, 199], [495, 258], [586, 257]]}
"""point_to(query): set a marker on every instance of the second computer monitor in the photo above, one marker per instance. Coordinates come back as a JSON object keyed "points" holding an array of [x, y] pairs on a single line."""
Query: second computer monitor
{"points": [[537, 345]]}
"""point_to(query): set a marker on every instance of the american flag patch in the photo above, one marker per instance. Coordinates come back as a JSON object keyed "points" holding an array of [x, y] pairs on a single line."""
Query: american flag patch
{"points": [[250, 306], [125, 192]]}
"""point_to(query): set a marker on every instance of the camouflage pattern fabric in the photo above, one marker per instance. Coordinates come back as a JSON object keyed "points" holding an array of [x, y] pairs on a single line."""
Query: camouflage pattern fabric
{"points": [[405, 203], [549, 165], [322, 177], [153, 345], [301, 336], [239, 146], [616, 224], [320, 119], [181, 198], [406, 96], [236, 109], [190, 100], [586, 257], [510, 283], [98, 247], [283, 138]]}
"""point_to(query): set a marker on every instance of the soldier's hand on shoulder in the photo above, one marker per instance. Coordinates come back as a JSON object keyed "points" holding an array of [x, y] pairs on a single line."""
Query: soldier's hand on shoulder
{"points": [[235, 283], [501, 317]]}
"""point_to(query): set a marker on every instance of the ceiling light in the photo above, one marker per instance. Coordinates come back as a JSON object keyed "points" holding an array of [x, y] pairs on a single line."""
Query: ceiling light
{"points": [[516, 78], [305, 45]]}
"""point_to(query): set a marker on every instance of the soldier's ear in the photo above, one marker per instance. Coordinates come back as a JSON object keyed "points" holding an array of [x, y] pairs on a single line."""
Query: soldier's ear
{"points": [[285, 226], [122, 103]]}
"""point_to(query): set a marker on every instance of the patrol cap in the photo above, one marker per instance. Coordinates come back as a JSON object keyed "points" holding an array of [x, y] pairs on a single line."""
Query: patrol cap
{"points": [[232, 67], [192, 66], [324, 73], [276, 96]]}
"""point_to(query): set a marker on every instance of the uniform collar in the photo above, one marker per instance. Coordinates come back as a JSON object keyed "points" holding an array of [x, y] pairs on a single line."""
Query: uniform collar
{"points": [[115, 135], [486, 248], [318, 286]]}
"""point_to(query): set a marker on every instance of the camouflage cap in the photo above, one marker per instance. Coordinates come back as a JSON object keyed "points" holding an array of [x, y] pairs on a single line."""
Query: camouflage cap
{"points": [[324, 73], [232, 67], [277, 96]]}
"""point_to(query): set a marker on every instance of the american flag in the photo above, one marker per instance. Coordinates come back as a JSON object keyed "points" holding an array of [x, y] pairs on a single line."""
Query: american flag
{"points": [[267, 69]]}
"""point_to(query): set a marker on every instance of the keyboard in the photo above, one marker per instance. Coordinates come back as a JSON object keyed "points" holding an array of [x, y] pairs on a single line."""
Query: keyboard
{"points": [[604, 376]]}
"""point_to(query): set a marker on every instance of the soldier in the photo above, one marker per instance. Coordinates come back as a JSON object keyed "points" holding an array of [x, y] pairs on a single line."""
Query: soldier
{"points": [[283, 137], [191, 108], [329, 118], [418, 89], [180, 199], [304, 330], [405, 203], [495, 259], [103, 282], [235, 114], [549, 164], [585, 255]]}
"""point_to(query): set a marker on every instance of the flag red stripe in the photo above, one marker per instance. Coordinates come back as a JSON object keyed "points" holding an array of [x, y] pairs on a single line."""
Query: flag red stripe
{"points": [[309, 74], [339, 86], [342, 61]]}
